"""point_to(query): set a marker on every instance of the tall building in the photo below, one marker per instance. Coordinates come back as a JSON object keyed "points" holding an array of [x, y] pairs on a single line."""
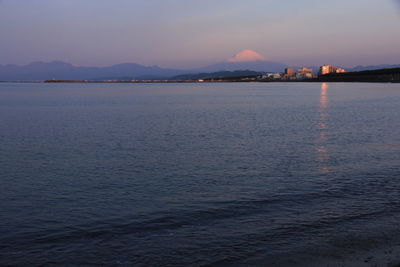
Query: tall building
{"points": [[305, 72], [289, 72], [339, 70], [326, 69]]}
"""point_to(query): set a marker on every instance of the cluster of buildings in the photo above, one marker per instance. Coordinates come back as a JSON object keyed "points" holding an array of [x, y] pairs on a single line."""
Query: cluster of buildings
{"points": [[326, 69], [291, 74]]}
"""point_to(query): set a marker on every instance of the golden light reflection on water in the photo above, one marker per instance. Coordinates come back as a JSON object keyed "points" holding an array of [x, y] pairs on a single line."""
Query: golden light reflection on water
{"points": [[322, 126], [324, 101]]}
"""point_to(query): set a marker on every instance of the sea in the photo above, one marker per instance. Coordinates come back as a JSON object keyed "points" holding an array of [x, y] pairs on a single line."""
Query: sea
{"points": [[198, 174]]}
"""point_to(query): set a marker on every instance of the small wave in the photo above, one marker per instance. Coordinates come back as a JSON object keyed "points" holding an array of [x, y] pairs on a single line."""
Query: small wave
{"points": [[170, 220]]}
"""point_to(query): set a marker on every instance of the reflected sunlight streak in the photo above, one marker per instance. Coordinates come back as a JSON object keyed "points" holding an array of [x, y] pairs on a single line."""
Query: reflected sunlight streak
{"points": [[322, 127]]}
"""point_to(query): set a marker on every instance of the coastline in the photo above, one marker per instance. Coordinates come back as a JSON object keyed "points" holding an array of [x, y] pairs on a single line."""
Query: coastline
{"points": [[374, 76], [369, 76], [218, 81]]}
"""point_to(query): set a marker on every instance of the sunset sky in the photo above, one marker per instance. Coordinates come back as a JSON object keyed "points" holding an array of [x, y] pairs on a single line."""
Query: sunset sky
{"points": [[192, 33]]}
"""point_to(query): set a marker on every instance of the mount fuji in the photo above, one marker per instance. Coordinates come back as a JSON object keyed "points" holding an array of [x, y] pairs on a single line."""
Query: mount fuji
{"points": [[245, 60]]}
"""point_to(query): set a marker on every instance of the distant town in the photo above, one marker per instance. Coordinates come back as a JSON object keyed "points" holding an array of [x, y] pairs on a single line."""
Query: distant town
{"points": [[304, 73], [326, 73], [289, 74]]}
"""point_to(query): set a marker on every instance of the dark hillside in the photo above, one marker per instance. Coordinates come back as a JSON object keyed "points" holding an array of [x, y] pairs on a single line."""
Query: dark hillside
{"points": [[382, 75]]}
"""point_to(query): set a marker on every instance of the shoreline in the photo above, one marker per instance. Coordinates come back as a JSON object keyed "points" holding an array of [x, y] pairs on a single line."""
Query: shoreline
{"points": [[189, 82], [369, 76]]}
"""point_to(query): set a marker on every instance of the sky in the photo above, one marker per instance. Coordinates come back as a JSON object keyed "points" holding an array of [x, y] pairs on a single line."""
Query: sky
{"points": [[194, 33]]}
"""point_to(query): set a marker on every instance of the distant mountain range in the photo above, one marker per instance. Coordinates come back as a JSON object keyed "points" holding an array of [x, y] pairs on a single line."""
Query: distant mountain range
{"points": [[216, 75], [260, 66], [246, 60], [39, 71]]}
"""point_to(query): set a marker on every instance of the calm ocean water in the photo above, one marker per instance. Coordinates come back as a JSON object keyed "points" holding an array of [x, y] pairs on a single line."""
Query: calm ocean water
{"points": [[197, 174]]}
